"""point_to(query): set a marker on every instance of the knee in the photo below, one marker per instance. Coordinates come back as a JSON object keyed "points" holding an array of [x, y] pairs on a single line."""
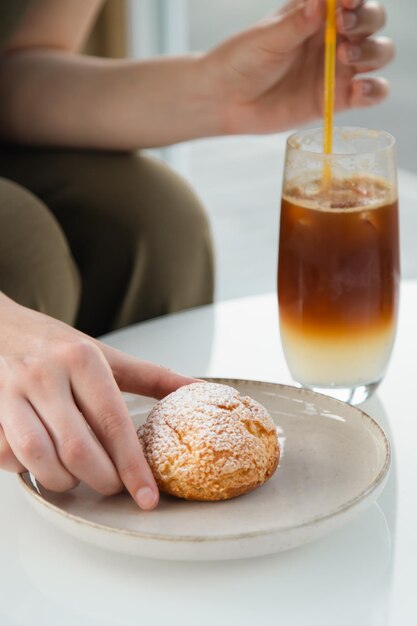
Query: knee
{"points": [[138, 195], [148, 224], [169, 233], [170, 205], [141, 203], [36, 267], [171, 220]]}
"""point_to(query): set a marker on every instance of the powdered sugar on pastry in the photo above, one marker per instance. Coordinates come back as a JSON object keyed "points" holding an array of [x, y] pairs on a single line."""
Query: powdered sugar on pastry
{"points": [[206, 442]]}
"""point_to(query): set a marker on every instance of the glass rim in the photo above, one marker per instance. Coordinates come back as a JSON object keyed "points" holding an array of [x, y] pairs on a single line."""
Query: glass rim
{"points": [[299, 134]]}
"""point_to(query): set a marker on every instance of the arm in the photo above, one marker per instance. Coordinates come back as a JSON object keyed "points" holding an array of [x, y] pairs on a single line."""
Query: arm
{"points": [[265, 79], [49, 94], [58, 98]]}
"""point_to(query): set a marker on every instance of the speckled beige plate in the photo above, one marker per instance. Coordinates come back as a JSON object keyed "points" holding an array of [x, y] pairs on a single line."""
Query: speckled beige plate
{"points": [[334, 463]]}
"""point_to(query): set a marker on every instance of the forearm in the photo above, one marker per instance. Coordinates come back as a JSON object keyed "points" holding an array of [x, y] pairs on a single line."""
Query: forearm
{"points": [[49, 97]]}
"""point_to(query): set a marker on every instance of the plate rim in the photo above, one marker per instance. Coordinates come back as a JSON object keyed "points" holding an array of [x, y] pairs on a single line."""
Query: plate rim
{"points": [[350, 504]]}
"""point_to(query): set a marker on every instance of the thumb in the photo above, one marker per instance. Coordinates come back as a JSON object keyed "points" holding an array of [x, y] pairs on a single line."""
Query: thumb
{"points": [[142, 377], [292, 26]]}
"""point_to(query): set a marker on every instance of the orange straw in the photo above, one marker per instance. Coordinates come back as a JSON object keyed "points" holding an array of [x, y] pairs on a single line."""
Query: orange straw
{"points": [[329, 82]]}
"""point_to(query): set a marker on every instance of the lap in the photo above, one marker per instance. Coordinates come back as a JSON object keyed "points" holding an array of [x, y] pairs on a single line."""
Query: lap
{"points": [[102, 185], [137, 231]]}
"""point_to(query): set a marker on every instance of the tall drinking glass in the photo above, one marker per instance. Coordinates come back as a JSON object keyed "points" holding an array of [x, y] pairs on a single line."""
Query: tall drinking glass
{"points": [[338, 268]]}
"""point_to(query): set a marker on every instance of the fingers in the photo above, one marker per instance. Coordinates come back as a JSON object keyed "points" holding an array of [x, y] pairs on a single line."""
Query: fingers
{"points": [[281, 34], [78, 450], [157, 381], [67, 421], [8, 461], [142, 377], [368, 92], [32, 445], [351, 4], [370, 55], [366, 20], [99, 399], [312, 6]]}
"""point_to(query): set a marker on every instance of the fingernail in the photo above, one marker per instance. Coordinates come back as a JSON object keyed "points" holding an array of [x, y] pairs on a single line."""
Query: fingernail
{"points": [[366, 87], [146, 498], [349, 20], [353, 53]]}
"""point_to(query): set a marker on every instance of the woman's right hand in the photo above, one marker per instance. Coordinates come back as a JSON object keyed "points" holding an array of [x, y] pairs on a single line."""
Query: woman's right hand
{"points": [[62, 414], [269, 78]]}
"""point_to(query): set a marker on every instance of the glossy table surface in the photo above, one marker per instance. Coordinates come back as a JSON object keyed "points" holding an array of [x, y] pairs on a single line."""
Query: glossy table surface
{"points": [[363, 574]]}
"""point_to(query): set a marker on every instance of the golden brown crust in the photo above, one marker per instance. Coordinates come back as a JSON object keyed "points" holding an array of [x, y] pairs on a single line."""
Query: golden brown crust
{"points": [[206, 442]]}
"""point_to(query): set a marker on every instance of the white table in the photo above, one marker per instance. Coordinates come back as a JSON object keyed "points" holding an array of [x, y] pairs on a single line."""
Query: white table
{"points": [[363, 574]]}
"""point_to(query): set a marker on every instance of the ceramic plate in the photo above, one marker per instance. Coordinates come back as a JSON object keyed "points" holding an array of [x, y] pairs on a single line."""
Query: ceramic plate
{"points": [[335, 460]]}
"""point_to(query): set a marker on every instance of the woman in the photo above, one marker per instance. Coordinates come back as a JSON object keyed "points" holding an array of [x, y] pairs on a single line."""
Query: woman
{"points": [[94, 237]]}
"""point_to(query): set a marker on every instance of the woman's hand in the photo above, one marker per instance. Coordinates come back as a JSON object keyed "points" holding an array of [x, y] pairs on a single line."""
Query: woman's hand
{"points": [[62, 415], [266, 79], [270, 77]]}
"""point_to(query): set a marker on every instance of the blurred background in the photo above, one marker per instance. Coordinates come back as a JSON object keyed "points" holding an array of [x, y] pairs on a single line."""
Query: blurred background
{"points": [[239, 178]]}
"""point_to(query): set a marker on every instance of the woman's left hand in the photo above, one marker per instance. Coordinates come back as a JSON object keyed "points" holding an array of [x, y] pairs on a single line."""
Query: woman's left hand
{"points": [[270, 77]]}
